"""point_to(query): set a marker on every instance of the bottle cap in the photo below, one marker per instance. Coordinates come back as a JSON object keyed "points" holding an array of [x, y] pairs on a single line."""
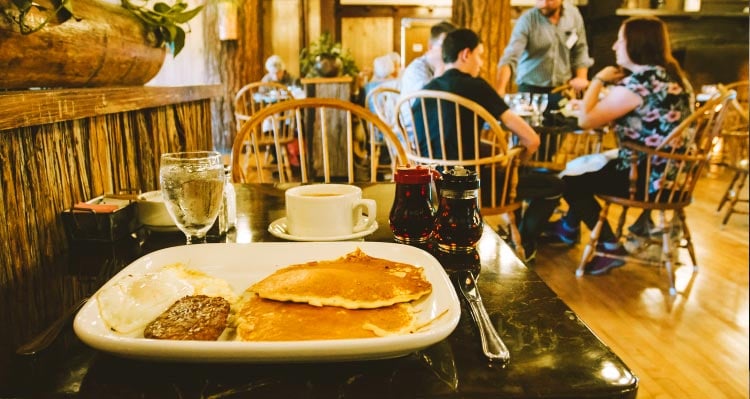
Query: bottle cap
{"points": [[413, 175], [460, 178]]}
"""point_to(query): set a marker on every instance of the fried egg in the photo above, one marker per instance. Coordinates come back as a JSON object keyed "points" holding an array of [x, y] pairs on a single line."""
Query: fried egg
{"points": [[127, 306]]}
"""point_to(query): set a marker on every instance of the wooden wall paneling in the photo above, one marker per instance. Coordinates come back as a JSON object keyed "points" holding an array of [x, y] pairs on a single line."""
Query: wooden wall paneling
{"points": [[282, 32], [46, 168], [367, 38], [415, 36], [398, 14], [329, 19], [491, 21]]}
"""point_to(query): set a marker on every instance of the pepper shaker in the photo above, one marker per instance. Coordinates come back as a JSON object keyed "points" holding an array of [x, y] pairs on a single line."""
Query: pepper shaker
{"points": [[458, 225]]}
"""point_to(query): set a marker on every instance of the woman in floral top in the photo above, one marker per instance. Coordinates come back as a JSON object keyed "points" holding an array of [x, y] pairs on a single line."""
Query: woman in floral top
{"points": [[649, 96]]}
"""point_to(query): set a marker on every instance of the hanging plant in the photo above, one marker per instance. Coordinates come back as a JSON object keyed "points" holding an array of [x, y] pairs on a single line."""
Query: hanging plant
{"points": [[166, 21], [324, 57]]}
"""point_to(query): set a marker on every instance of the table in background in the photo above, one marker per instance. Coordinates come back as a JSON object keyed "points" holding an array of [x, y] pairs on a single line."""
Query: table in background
{"points": [[553, 353]]}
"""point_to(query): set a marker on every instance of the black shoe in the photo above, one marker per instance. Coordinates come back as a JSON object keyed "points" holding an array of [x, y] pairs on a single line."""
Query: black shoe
{"points": [[556, 233], [602, 264]]}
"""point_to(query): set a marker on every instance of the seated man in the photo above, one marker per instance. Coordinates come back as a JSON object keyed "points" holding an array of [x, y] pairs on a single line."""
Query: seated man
{"points": [[430, 64], [462, 54]]}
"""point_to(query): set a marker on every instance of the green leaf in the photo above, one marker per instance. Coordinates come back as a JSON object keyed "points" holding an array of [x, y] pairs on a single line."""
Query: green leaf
{"points": [[178, 8], [161, 8], [172, 29], [179, 42]]}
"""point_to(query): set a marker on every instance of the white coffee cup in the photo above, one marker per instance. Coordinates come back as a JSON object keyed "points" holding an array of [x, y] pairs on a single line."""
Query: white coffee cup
{"points": [[327, 210]]}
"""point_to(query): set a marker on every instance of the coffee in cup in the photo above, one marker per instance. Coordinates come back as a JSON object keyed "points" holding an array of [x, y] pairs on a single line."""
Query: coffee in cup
{"points": [[328, 210]]}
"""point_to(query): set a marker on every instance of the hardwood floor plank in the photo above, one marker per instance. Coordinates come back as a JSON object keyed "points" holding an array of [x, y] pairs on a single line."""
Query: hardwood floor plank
{"points": [[693, 345]]}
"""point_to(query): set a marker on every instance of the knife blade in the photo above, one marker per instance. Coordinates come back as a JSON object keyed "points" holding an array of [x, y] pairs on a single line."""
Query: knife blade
{"points": [[492, 345]]}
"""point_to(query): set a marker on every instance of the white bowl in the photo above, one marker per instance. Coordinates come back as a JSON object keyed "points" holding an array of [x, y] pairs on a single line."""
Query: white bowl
{"points": [[152, 212]]}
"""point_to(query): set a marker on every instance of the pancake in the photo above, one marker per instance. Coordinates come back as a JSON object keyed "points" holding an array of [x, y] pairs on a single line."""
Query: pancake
{"points": [[267, 320], [354, 281]]}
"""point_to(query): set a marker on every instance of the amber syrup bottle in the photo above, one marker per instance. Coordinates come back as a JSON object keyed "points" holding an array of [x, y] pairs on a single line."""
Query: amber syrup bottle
{"points": [[458, 224]]}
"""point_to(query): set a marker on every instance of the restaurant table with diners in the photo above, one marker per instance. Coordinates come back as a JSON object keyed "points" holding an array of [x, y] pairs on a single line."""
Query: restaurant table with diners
{"points": [[553, 354]]}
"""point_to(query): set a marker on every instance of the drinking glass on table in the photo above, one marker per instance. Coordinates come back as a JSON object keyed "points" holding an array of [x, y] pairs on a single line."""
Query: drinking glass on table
{"points": [[192, 184], [538, 105]]}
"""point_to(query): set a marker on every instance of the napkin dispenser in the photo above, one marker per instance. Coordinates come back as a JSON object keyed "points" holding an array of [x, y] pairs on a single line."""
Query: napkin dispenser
{"points": [[104, 218]]}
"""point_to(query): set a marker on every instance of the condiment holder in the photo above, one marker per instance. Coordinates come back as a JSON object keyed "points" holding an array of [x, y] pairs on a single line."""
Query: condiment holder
{"points": [[458, 224], [412, 216]]}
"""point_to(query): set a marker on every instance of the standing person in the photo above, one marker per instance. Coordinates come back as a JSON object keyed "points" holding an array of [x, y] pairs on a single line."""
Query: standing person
{"points": [[462, 53], [546, 49], [648, 97], [430, 64], [277, 71]]}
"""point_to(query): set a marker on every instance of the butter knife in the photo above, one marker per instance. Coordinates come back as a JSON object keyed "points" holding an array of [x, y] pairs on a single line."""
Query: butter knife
{"points": [[492, 345]]}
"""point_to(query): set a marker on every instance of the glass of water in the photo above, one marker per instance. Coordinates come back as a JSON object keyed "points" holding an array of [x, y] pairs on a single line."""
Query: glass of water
{"points": [[539, 105], [192, 185]]}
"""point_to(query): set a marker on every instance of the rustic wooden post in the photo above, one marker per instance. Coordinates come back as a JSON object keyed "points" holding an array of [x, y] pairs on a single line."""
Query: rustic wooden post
{"points": [[240, 62], [491, 21]]}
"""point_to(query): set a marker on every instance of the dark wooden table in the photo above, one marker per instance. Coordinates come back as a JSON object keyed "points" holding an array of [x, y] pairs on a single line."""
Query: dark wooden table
{"points": [[553, 352]]}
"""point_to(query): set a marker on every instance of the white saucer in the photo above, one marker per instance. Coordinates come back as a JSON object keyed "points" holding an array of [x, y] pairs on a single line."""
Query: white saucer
{"points": [[278, 229]]}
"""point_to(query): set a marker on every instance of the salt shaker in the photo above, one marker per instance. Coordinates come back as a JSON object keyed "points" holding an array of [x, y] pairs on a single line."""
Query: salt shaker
{"points": [[230, 196], [458, 224], [412, 216], [227, 217]]}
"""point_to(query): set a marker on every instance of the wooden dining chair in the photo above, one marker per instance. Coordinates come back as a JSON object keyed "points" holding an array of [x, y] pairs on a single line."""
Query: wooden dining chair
{"points": [[683, 154], [331, 134], [559, 145], [252, 98], [382, 100], [255, 96], [484, 149], [734, 149]]}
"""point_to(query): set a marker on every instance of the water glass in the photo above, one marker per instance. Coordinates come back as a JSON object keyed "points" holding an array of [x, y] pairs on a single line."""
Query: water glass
{"points": [[192, 185], [539, 103]]}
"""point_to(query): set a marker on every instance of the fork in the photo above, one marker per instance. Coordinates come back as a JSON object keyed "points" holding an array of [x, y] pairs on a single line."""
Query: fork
{"points": [[492, 345]]}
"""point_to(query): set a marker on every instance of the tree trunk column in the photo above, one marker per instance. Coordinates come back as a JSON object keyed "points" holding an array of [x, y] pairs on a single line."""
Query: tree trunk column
{"points": [[491, 21]]}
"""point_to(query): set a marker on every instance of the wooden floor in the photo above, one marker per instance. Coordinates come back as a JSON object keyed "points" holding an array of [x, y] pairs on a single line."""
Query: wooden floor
{"points": [[694, 345]]}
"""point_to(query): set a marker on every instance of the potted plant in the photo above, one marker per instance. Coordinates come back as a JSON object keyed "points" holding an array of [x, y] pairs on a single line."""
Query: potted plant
{"points": [[166, 21], [87, 43], [326, 58]]}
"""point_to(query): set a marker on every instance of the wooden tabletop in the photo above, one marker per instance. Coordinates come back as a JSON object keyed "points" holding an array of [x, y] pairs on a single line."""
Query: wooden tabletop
{"points": [[553, 353]]}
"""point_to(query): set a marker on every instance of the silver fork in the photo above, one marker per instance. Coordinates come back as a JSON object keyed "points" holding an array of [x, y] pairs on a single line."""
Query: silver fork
{"points": [[492, 345]]}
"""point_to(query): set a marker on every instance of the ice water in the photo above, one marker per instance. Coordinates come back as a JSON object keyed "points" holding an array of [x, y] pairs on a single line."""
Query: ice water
{"points": [[193, 197]]}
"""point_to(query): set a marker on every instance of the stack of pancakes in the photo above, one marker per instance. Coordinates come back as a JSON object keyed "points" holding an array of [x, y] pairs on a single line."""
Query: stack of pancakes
{"points": [[355, 296]]}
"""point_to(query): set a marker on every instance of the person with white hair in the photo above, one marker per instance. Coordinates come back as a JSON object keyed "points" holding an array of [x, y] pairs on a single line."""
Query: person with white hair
{"points": [[277, 71], [383, 68]]}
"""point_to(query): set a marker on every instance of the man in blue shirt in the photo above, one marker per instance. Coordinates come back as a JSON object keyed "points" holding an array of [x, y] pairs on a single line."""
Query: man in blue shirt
{"points": [[547, 49]]}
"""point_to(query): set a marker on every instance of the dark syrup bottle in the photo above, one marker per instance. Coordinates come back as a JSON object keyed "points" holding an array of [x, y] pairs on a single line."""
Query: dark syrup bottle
{"points": [[458, 224], [412, 217]]}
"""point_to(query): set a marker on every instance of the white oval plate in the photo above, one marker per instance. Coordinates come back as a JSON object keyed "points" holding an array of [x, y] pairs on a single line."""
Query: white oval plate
{"points": [[244, 264], [278, 229]]}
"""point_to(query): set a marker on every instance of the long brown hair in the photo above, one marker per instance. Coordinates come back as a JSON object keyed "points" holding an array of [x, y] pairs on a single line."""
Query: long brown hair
{"points": [[647, 43]]}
